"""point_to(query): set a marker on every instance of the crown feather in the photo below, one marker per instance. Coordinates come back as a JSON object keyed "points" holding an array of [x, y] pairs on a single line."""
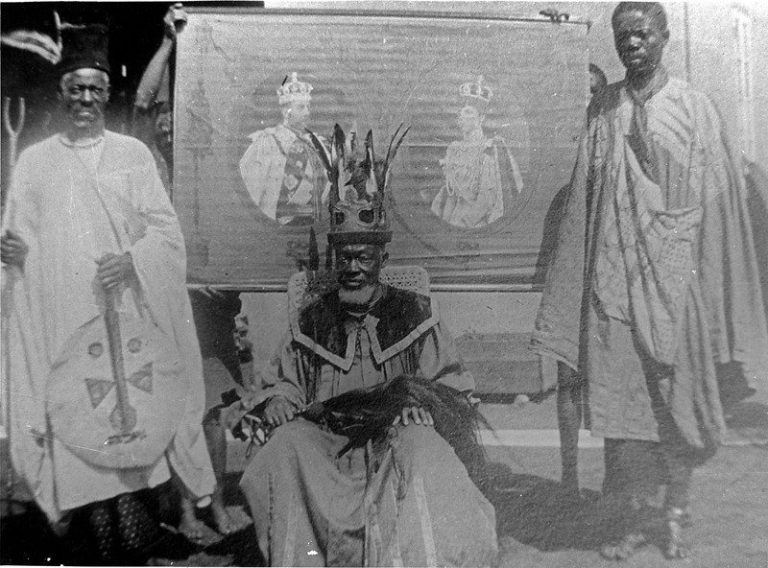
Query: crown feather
{"points": [[314, 252], [330, 165], [353, 143], [394, 146], [358, 182], [391, 143], [337, 148], [339, 154], [322, 152], [371, 184]]}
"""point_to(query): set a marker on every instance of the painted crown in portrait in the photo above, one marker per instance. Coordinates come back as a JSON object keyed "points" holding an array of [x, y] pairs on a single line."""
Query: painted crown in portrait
{"points": [[357, 199], [476, 90], [293, 91]]}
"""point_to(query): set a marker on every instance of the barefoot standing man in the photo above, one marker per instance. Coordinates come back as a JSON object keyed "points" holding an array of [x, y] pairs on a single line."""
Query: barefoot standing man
{"points": [[657, 227]]}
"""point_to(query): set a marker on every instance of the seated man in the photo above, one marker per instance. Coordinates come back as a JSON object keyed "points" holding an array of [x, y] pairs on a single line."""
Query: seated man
{"points": [[401, 498]]}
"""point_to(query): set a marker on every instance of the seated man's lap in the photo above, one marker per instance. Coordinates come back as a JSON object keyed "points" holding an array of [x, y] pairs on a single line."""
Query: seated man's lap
{"points": [[420, 444], [300, 439]]}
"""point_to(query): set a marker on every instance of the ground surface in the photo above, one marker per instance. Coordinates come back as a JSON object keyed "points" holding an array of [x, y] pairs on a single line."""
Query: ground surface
{"points": [[538, 526]]}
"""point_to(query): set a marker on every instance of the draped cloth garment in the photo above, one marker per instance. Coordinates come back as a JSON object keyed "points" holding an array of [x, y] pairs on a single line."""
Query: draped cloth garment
{"points": [[656, 228], [70, 211], [406, 500]]}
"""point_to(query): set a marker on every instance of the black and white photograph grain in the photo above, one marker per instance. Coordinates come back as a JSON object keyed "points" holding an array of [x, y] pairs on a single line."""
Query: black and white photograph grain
{"points": [[384, 283]]}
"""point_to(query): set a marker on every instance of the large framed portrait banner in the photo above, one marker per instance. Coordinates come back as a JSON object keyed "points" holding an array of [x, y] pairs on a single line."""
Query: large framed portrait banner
{"points": [[494, 106]]}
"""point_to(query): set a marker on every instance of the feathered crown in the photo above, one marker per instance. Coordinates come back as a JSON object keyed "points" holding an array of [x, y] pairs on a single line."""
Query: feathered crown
{"points": [[477, 90], [293, 91], [358, 183]]}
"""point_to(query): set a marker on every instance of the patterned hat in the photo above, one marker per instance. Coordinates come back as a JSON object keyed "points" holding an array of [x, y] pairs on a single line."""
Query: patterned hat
{"points": [[85, 46]]}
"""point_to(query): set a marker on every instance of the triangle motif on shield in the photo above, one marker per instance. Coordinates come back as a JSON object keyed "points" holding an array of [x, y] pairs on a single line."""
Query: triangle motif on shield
{"points": [[97, 390], [142, 379]]}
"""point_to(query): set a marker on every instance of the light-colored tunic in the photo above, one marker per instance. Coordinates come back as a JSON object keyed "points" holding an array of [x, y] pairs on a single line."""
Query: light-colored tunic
{"points": [[71, 207], [666, 258], [404, 501]]}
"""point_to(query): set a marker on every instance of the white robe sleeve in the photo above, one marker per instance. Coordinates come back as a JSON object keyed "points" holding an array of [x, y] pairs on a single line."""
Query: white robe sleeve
{"points": [[24, 364], [159, 259]]}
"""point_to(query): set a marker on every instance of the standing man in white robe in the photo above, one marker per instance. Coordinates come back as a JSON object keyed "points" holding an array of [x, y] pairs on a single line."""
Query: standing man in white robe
{"points": [[87, 214]]}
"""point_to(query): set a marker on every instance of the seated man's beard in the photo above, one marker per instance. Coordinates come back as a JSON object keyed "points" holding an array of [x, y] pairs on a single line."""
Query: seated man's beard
{"points": [[358, 297]]}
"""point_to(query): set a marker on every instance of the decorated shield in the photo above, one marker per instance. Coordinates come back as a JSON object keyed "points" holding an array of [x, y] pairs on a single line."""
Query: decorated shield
{"points": [[117, 392]]}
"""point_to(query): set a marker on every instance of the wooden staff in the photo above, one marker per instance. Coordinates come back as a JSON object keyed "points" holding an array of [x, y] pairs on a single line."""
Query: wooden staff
{"points": [[12, 272], [13, 131], [123, 418]]}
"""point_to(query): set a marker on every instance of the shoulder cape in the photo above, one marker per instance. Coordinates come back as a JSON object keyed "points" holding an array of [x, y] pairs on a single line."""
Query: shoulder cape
{"points": [[393, 324]]}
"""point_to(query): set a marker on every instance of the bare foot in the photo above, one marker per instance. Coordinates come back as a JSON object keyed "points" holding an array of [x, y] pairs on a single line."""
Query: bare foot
{"points": [[192, 528], [225, 524]]}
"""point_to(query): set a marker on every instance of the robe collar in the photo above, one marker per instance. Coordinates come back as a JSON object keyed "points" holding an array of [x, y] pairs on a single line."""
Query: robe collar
{"points": [[397, 320]]}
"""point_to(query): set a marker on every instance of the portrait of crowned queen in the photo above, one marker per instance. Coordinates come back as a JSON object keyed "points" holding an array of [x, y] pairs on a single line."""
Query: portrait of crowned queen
{"points": [[281, 171], [482, 178]]}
